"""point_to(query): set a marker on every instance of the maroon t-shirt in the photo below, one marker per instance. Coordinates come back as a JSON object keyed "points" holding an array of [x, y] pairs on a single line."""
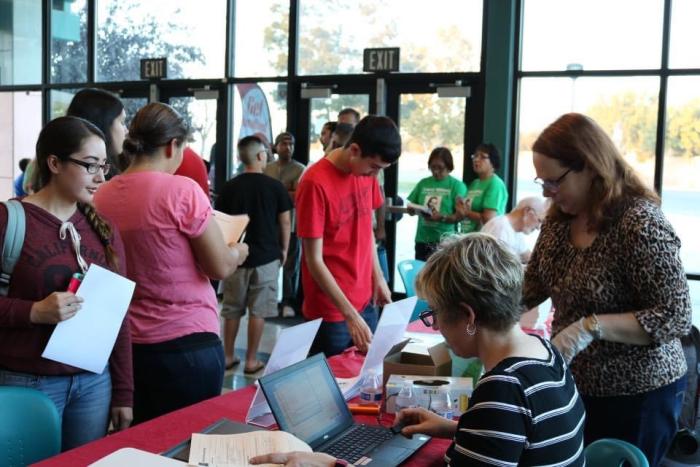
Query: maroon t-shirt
{"points": [[46, 265]]}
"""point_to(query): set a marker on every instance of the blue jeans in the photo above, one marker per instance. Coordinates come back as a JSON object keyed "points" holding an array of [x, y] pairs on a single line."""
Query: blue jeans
{"points": [[174, 374], [334, 337], [648, 420], [82, 401], [383, 262]]}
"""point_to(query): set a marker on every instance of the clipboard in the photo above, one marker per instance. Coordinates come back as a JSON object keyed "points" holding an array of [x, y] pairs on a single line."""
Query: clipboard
{"points": [[233, 227]]}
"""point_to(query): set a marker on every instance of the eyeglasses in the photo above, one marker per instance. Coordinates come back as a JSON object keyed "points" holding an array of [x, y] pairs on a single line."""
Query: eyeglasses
{"points": [[479, 156], [92, 167], [552, 185], [428, 317]]}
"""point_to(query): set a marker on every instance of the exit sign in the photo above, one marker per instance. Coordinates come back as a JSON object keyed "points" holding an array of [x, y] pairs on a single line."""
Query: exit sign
{"points": [[384, 59], [154, 68]]}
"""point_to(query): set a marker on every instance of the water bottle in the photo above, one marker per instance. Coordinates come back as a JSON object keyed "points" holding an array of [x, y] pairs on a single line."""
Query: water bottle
{"points": [[371, 388], [441, 404], [405, 398]]}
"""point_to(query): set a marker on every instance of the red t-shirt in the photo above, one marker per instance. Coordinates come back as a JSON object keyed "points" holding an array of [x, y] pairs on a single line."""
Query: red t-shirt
{"points": [[46, 265], [192, 166], [338, 208]]}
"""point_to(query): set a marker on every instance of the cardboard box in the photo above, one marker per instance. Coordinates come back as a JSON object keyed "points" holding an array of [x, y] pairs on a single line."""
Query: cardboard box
{"points": [[424, 387], [418, 358]]}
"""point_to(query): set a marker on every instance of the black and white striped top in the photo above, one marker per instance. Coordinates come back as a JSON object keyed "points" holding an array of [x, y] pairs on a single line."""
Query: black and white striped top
{"points": [[523, 412]]}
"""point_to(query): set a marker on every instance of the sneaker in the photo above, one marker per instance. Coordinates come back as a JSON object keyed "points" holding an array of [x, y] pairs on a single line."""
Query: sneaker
{"points": [[287, 312]]}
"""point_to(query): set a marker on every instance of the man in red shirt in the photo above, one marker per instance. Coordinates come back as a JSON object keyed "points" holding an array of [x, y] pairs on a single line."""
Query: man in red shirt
{"points": [[335, 201]]}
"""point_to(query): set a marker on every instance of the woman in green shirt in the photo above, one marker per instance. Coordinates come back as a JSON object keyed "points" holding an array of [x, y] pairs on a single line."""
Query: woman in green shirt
{"points": [[488, 194], [439, 194]]}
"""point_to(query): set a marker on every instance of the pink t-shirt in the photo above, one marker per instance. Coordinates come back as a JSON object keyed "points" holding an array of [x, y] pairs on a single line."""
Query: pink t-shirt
{"points": [[157, 214]]}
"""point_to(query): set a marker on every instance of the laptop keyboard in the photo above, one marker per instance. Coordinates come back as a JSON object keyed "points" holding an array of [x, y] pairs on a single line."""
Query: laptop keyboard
{"points": [[358, 441]]}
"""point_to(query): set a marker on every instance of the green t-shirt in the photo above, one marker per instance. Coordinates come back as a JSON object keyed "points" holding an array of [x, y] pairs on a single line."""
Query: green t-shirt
{"points": [[440, 194], [485, 194]]}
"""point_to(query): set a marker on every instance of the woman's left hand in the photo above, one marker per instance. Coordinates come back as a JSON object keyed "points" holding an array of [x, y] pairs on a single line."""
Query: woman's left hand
{"points": [[295, 459], [122, 418], [572, 340]]}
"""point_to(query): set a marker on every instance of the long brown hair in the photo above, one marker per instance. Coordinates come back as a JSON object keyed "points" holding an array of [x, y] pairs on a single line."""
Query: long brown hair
{"points": [[577, 142], [154, 126], [63, 137]]}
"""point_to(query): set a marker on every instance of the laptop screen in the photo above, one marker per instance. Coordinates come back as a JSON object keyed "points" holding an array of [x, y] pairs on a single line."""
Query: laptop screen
{"points": [[306, 401]]}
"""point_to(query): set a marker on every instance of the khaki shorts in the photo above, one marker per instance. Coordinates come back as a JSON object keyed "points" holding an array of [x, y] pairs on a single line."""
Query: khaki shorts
{"points": [[253, 288]]}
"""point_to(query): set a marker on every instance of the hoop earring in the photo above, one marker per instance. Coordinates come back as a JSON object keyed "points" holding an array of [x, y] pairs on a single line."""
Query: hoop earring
{"points": [[471, 330]]}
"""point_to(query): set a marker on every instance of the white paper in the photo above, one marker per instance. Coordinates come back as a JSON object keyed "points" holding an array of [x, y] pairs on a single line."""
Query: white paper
{"points": [[86, 340], [292, 346], [390, 330], [235, 450], [136, 458]]}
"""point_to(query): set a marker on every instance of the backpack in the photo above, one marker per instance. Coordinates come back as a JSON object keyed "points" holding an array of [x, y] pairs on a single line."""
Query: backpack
{"points": [[685, 447], [14, 240]]}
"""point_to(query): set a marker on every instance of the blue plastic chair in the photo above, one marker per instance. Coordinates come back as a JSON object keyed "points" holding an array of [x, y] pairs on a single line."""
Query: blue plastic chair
{"points": [[30, 429], [408, 270], [610, 452]]}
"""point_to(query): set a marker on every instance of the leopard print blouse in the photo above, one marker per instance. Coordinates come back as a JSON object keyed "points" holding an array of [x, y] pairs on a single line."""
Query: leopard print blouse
{"points": [[631, 266]]}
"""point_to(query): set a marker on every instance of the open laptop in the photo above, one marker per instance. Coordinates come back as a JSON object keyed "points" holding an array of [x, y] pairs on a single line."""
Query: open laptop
{"points": [[307, 402]]}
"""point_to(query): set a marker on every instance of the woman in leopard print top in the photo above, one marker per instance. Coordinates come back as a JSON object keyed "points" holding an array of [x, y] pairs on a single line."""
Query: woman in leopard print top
{"points": [[609, 260]]}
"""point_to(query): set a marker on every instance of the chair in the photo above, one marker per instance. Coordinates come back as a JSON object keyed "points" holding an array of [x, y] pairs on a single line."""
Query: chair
{"points": [[30, 429], [610, 452], [408, 270]]}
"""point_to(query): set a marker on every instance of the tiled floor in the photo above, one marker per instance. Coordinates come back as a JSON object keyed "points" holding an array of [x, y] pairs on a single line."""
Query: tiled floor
{"points": [[235, 378]]}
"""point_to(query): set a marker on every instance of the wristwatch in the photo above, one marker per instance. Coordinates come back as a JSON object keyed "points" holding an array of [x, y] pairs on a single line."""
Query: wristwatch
{"points": [[592, 325]]}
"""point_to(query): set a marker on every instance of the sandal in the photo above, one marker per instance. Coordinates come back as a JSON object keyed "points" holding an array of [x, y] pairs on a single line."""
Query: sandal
{"points": [[255, 369], [236, 361]]}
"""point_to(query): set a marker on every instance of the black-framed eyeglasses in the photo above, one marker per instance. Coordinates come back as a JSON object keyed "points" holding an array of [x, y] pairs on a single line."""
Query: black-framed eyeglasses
{"points": [[92, 167], [552, 185], [428, 317]]}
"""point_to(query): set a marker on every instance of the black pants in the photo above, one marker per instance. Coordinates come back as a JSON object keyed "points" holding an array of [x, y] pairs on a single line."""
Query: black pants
{"points": [[424, 250], [174, 374]]}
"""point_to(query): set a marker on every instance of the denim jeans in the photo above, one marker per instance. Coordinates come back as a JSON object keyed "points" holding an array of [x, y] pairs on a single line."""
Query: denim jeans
{"points": [[82, 401], [334, 337], [174, 374], [648, 420]]}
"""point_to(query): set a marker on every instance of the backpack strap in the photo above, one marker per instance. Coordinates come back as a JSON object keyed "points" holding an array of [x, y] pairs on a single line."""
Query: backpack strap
{"points": [[14, 239]]}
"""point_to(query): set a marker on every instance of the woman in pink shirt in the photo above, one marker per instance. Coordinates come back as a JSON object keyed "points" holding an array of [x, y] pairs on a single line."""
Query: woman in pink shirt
{"points": [[64, 235], [173, 247]]}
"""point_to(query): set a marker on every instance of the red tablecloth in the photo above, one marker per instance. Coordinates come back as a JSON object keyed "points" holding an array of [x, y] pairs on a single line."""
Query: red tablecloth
{"points": [[165, 432]]}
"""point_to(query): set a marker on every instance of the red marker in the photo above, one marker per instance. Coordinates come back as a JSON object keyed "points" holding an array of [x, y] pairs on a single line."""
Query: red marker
{"points": [[75, 282]]}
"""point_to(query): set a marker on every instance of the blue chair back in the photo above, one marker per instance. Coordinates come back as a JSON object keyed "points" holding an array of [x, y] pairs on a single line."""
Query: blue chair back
{"points": [[610, 452], [408, 270], [30, 429]]}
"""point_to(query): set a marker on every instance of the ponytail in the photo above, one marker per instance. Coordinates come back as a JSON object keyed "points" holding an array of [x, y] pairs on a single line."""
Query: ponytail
{"points": [[104, 231]]}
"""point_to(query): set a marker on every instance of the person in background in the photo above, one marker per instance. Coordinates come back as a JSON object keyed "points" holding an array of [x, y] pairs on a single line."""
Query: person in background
{"points": [[326, 132], [288, 171], [341, 276], [19, 181], [254, 284], [64, 235], [193, 167], [525, 410], [487, 195], [609, 260], [444, 190], [349, 115], [511, 228], [173, 246], [340, 136], [106, 112]]}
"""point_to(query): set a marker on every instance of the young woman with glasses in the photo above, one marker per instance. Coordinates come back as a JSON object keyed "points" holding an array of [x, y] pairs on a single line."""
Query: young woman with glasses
{"points": [[609, 260], [64, 235]]}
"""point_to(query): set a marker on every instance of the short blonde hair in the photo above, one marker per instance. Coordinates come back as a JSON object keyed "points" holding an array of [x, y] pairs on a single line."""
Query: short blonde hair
{"points": [[477, 270]]}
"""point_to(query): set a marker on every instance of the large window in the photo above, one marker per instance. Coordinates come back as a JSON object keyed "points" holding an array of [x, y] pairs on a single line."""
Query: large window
{"points": [[262, 38], [20, 42], [20, 123], [332, 35], [190, 34], [69, 41], [684, 35]]}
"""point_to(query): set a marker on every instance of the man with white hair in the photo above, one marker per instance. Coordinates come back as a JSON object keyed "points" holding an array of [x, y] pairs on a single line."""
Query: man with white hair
{"points": [[511, 228]]}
